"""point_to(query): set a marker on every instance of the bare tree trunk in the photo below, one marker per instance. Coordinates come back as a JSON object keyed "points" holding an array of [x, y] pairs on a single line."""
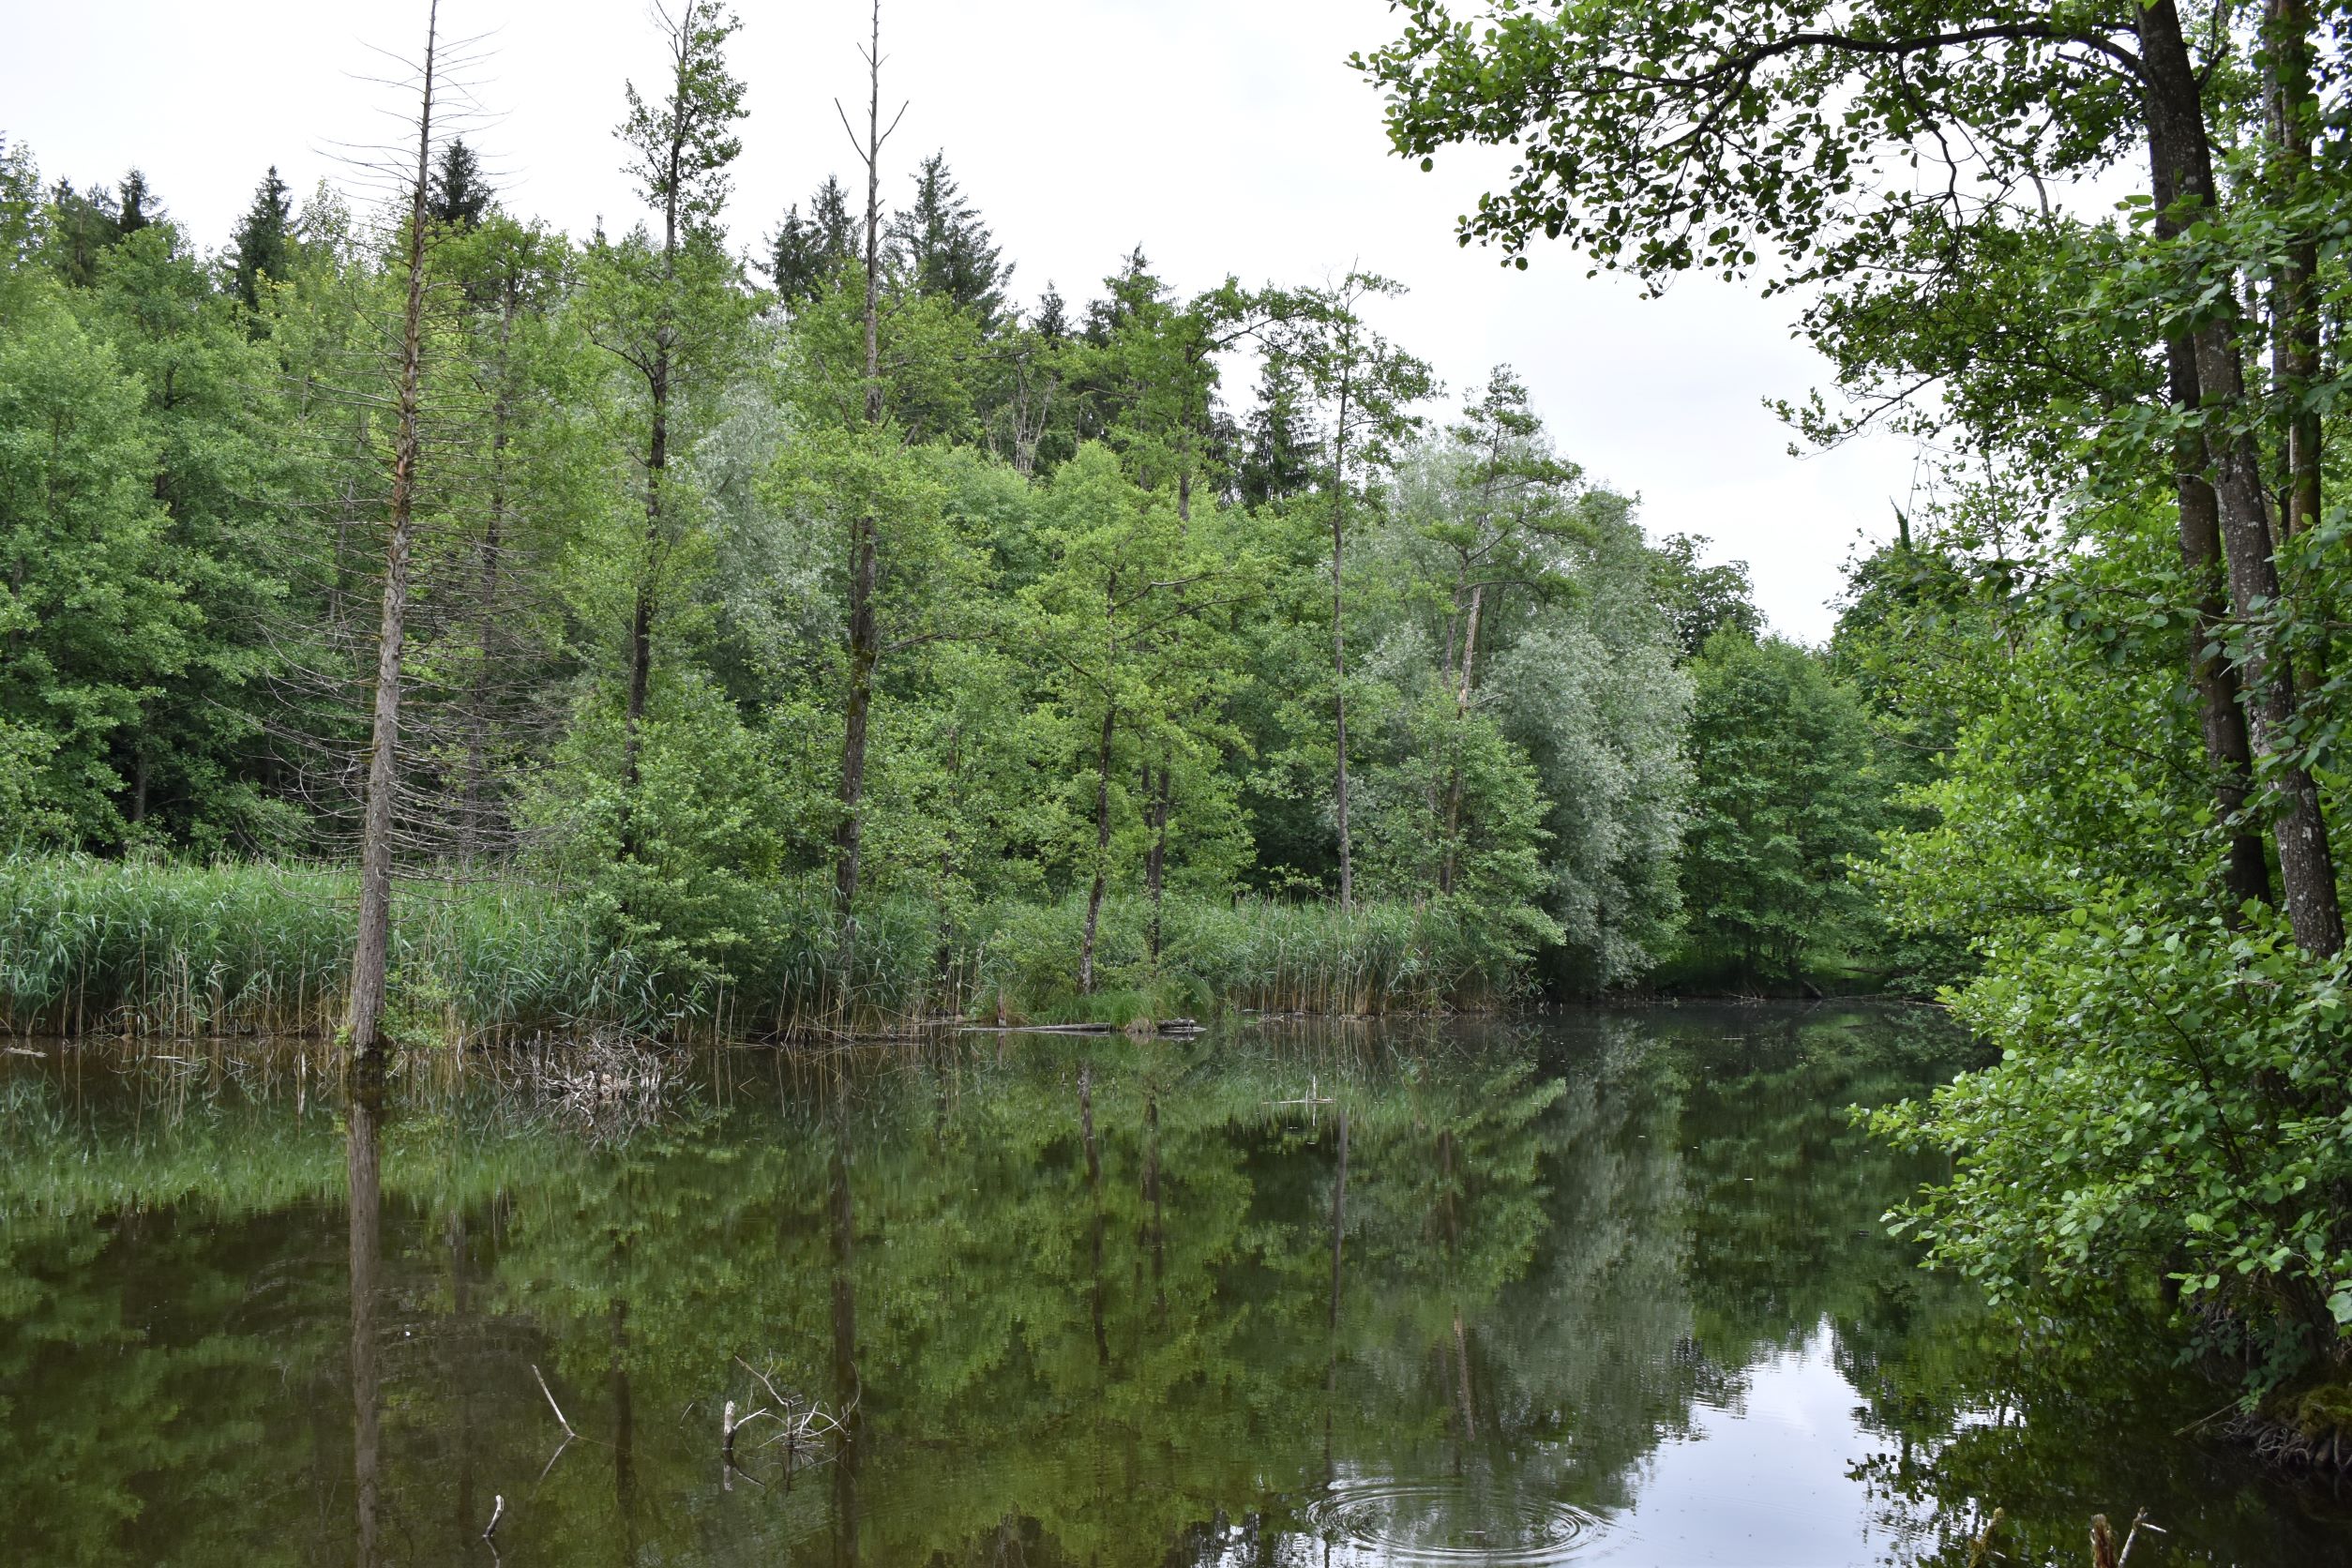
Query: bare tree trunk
{"points": [[1101, 851], [2180, 155], [864, 643], [371, 954]]}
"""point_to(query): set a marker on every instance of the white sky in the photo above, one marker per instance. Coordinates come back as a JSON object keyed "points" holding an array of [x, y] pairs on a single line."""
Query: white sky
{"points": [[1221, 135]]}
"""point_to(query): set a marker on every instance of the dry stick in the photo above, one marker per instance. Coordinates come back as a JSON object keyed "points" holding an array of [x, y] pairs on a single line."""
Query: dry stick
{"points": [[552, 1404], [498, 1512]]}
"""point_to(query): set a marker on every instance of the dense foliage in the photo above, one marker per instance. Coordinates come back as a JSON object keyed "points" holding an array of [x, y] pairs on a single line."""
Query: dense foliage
{"points": [[2107, 664], [815, 686]]}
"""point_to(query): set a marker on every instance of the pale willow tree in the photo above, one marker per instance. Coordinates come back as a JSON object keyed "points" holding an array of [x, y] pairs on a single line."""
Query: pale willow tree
{"points": [[1524, 599]]}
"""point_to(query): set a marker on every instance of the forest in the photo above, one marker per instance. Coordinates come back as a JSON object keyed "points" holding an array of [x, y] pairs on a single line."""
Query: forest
{"points": [[807, 633], [424, 623]]}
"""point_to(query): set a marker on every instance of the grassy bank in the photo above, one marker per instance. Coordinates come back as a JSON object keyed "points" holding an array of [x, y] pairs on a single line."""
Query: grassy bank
{"points": [[164, 949]]}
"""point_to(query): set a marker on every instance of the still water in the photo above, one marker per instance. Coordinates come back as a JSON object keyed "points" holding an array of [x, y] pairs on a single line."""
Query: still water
{"points": [[1610, 1288]]}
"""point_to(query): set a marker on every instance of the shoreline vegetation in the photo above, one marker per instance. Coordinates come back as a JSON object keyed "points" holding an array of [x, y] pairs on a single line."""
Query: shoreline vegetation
{"points": [[92, 947]]}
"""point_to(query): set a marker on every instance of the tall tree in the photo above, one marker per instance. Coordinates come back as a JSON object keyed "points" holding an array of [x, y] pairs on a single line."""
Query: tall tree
{"points": [[944, 250], [679, 148], [138, 204], [864, 642], [372, 953], [1364, 387], [261, 241]]}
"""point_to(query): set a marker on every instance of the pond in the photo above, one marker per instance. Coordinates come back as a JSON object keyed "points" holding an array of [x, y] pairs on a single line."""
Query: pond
{"points": [[1600, 1288]]}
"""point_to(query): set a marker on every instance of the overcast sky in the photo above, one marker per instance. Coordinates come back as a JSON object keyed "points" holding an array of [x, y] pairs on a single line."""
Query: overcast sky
{"points": [[1221, 135]]}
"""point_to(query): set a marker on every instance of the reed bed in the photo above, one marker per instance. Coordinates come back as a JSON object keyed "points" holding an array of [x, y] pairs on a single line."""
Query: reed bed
{"points": [[1264, 955], [154, 948], [158, 949]]}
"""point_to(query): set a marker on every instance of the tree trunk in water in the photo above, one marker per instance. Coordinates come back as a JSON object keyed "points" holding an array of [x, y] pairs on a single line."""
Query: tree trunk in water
{"points": [[624, 1433], [848, 1388], [372, 953], [1102, 852], [363, 1171], [2180, 154]]}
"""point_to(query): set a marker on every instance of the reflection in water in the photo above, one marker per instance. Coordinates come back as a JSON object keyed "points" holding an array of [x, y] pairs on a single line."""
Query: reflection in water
{"points": [[1610, 1288], [364, 1173]]}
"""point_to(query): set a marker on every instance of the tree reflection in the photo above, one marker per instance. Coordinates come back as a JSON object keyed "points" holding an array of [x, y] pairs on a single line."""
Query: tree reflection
{"points": [[1101, 1301]]}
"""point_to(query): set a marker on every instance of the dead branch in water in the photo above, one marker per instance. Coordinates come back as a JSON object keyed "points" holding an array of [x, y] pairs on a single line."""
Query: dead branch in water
{"points": [[551, 1405]]}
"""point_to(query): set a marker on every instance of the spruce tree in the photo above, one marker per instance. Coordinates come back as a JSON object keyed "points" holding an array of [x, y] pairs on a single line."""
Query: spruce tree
{"points": [[460, 195], [944, 250], [81, 227], [807, 252], [1279, 458], [261, 239], [139, 206]]}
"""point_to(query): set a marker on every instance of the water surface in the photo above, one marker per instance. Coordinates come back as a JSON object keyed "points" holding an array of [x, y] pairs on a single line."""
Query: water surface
{"points": [[1603, 1288]]}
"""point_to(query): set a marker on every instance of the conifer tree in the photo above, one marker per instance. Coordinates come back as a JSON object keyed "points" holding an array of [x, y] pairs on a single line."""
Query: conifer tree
{"points": [[459, 196], [806, 252], [943, 248], [139, 205], [260, 241]]}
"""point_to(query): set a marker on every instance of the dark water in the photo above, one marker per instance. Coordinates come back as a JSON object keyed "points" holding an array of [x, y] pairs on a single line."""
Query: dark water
{"points": [[1607, 1289]]}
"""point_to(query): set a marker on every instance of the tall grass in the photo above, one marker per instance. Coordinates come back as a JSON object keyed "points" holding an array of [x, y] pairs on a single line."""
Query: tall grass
{"points": [[1260, 953], [155, 948], [141, 947]]}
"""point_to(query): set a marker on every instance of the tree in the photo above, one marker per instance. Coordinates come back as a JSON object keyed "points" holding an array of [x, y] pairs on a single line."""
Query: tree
{"points": [[1121, 623], [944, 248], [81, 228], [90, 622], [1661, 147], [262, 245], [807, 254], [865, 642], [1782, 807], [1279, 461], [679, 150], [138, 204], [372, 952], [1364, 387], [1699, 601], [460, 197]]}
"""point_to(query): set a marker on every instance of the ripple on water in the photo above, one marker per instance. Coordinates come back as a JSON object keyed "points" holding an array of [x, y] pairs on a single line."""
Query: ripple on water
{"points": [[1450, 1521]]}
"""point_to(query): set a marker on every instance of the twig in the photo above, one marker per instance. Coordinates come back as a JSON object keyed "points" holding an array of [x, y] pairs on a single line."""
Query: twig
{"points": [[498, 1512], [554, 1406], [2139, 1522]]}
